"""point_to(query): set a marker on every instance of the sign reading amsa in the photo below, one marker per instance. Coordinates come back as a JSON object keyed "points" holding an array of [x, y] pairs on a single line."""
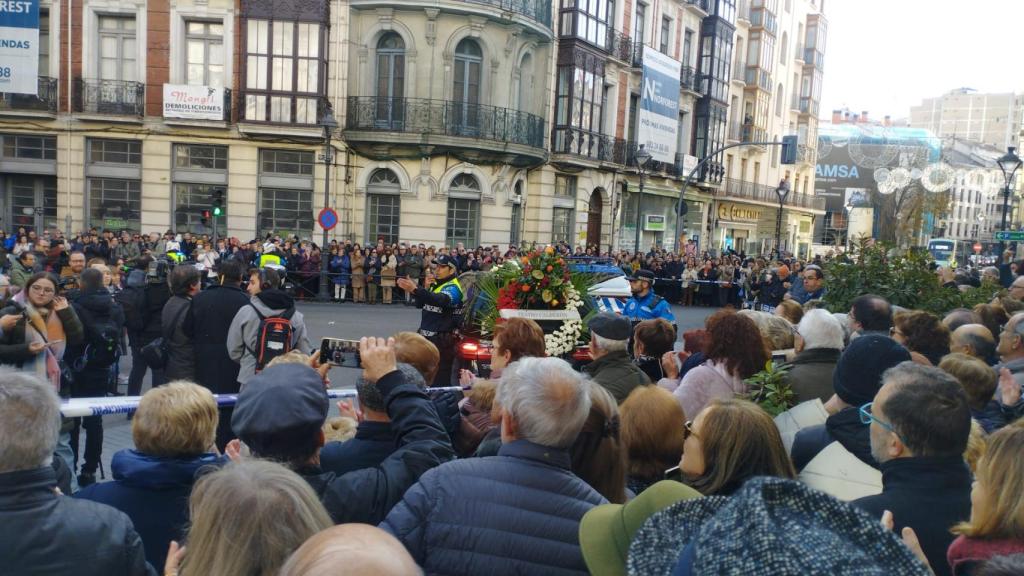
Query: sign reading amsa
{"points": [[836, 171]]}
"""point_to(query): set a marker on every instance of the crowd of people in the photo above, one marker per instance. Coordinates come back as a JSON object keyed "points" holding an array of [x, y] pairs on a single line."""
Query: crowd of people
{"points": [[900, 454]]}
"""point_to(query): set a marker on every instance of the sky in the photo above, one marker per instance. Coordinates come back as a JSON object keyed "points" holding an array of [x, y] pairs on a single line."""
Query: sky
{"points": [[885, 56]]}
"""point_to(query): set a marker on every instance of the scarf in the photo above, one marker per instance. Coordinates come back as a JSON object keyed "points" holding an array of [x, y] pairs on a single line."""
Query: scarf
{"points": [[965, 550], [46, 364]]}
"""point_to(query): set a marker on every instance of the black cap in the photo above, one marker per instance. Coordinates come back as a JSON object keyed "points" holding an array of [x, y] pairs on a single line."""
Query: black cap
{"points": [[283, 402], [611, 326], [445, 260], [642, 274]]}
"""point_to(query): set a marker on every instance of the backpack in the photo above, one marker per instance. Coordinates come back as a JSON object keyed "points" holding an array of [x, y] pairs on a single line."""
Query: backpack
{"points": [[132, 301], [273, 338], [102, 342]]}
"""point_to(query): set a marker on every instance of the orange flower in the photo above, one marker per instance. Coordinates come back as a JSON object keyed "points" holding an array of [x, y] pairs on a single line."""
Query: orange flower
{"points": [[549, 250], [550, 268], [525, 288]]}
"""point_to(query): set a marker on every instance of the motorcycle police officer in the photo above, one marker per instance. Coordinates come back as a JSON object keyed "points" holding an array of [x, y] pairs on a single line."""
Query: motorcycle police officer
{"points": [[645, 304], [442, 313]]}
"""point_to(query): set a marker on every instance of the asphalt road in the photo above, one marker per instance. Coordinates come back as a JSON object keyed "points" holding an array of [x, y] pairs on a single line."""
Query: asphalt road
{"points": [[349, 321]]}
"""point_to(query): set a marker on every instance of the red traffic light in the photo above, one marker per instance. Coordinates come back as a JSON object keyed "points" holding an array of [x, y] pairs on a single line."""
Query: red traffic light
{"points": [[206, 213]]}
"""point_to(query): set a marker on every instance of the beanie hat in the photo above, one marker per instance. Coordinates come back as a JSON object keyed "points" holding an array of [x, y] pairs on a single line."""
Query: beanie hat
{"points": [[770, 526], [858, 374]]}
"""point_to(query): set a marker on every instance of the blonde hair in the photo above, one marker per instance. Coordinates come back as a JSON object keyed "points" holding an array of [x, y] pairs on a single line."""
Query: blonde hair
{"points": [[976, 442], [339, 429], [291, 357], [776, 331], [175, 420], [999, 512], [412, 348], [248, 517], [652, 431]]}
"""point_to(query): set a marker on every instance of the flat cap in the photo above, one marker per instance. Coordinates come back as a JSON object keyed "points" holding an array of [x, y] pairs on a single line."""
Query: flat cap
{"points": [[611, 326], [281, 403]]}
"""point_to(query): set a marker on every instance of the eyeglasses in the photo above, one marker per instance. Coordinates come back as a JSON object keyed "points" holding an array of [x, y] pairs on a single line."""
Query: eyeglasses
{"points": [[866, 418], [688, 430]]}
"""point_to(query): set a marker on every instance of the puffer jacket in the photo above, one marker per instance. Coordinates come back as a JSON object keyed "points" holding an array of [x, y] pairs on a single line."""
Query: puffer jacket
{"points": [[154, 493], [43, 532], [514, 513]]}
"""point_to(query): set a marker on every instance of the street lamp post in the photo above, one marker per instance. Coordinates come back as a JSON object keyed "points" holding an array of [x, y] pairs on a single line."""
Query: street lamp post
{"points": [[642, 158], [1009, 163], [849, 214], [782, 191], [329, 125]]}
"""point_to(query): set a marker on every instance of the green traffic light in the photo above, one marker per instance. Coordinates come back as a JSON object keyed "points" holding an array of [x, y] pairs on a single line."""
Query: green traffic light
{"points": [[217, 211]]}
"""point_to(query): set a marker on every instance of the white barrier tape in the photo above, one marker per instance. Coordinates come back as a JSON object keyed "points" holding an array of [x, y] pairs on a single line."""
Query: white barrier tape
{"points": [[82, 407]]}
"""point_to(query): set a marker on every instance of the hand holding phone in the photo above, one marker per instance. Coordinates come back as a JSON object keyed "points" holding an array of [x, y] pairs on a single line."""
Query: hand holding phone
{"points": [[340, 352]]}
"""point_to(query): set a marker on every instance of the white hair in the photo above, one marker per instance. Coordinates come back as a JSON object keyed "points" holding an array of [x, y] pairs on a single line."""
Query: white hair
{"points": [[29, 421], [844, 322], [819, 329], [548, 400], [608, 345]]}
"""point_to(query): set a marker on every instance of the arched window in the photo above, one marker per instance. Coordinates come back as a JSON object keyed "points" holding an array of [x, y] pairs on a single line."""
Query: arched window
{"points": [[383, 206], [462, 223], [390, 80], [466, 90], [525, 82]]}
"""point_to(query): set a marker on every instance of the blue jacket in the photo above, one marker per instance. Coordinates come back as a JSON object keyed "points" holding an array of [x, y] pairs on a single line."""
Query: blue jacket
{"points": [[639, 309], [514, 513], [154, 493]]}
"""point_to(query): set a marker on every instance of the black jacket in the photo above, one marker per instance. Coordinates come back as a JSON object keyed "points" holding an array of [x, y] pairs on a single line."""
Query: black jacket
{"points": [[207, 323], [43, 532], [92, 376], [442, 310], [181, 355], [155, 295], [928, 494], [372, 444], [844, 427], [367, 495]]}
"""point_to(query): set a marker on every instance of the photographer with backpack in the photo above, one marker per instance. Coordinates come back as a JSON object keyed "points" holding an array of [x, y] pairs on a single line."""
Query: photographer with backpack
{"points": [[268, 327], [91, 360]]}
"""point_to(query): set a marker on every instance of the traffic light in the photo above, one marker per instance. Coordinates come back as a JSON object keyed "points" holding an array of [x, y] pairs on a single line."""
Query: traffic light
{"points": [[218, 202], [789, 144]]}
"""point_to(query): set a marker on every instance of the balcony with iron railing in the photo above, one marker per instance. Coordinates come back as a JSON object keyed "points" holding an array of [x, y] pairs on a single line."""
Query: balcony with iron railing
{"points": [[536, 10], [735, 132], [701, 7], [734, 188], [586, 145], [753, 133], [809, 105], [688, 80], [576, 24], [114, 97], [443, 124], [44, 101]]}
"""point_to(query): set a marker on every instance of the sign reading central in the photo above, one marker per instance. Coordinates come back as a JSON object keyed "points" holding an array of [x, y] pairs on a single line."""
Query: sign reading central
{"points": [[659, 106]]}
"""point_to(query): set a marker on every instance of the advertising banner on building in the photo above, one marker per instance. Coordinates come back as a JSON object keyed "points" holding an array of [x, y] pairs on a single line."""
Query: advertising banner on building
{"points": [[19, 46], [659, 106], [193, 102]]}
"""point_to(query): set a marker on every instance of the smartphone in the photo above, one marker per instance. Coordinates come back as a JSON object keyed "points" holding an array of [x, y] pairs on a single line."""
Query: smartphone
{"points": [[778, 358], [340, 352]]}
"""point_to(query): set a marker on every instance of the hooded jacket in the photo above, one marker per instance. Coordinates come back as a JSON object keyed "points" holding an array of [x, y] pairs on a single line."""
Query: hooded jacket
{"points": [[844, 427], [154, 493], [242, 334]]}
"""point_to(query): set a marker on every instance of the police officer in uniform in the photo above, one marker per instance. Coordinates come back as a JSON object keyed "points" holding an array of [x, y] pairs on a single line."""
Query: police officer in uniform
{"points": [[645, 304], [442, 313]]}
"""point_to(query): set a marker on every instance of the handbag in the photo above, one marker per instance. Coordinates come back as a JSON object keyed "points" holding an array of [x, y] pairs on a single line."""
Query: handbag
{"points": [[155, 353]]}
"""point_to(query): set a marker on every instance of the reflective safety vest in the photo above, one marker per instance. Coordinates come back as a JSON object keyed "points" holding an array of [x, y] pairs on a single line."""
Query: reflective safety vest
{"points": [[443, 319], [273, 259], [178, 257]]}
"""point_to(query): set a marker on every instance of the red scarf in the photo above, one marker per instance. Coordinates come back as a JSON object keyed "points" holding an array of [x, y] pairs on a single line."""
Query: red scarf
{"points": [[968, 551]]}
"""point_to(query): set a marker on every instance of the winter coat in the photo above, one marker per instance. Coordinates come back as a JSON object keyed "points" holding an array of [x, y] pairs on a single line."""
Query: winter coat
{"points": [[154, 493], [844, 427], [13, 347], [243, 332], [207, 323], [358, 271], [413, 266], [930, 495], [967, 555], [388, 271], [181, 354], [93, 308], [19, 274], [810, 374], [155, 296], [47, 533], [704, 383], [368, 494], [992, 417], [514, 513], [337, 267], [617, 374], [372, 444]]}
